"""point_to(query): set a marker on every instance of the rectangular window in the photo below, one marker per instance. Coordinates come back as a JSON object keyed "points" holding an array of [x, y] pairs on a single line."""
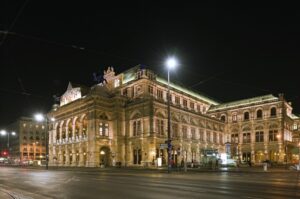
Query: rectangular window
{"points": [[159, 94], [208, 138], [193, 132], [160, 126], [184, 103], [175, 130], [215, 137], [192, 105], [235, 138], [103, 129], [177, 100], [234, 118], [273, 135], [201, 135], [184, 131], [259, 136], [198, 108], [246, 138]]}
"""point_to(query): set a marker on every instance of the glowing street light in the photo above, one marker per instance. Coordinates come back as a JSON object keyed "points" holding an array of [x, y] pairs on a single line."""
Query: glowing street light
{"points": [[39, 117], [171, 64], [4, 132]]}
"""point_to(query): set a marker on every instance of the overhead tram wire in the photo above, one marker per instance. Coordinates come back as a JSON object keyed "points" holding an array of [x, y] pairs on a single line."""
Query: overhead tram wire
{"points": [[78, 47], [13, 23]]}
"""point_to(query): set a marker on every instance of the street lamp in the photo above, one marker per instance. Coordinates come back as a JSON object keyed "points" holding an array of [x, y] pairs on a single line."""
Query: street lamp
{"points": [[40, 118], [171, 63], [3, 133]]}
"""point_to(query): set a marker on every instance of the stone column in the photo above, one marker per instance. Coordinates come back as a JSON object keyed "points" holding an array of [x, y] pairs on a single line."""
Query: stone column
{"points": [[67, 157], [80, 158], [73, 155], [60, 157]]}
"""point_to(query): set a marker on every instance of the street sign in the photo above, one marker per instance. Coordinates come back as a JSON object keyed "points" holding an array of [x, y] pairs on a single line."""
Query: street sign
{"points": [[163, 146]]}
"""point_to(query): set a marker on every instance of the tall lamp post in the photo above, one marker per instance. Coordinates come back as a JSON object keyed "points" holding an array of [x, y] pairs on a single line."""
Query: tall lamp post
{"points": [[40, 118], [171, 63], [3, 133]]}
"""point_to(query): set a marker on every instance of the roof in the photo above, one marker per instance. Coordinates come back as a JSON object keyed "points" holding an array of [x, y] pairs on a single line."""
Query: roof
{"points": [[293, 116], [244, 102], [187, 91]]}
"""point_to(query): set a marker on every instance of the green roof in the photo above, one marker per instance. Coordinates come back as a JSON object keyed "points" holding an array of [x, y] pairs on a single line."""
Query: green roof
{"points": [[244, 102], [192, 93], [293, 116]]}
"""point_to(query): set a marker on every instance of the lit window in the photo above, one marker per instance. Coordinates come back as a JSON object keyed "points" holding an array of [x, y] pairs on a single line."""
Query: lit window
{"points": [[295, 127], [117, 83], [103, 129], [234, 117]]}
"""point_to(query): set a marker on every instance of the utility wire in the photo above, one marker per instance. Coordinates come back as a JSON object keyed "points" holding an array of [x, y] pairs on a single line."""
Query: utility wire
{"points": [[6, 32], [13, 22]]}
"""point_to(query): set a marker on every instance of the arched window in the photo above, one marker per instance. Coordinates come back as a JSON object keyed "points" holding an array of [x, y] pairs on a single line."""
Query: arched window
{"points": [[77, 127], [259, 114], [273, 112], [137, 128], [70, 129], [246, 116], [223, 118], [160, 127], [63, 133], [84, 126], [58, 132]]}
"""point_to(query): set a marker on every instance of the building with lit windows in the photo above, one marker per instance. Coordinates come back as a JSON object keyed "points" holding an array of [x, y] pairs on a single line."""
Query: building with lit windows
{"points": [[260, 128], [28, 144], [123, 120]]}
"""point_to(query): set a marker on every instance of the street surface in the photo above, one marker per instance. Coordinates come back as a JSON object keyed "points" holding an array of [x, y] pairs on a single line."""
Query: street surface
{"points": [[27, 183]]}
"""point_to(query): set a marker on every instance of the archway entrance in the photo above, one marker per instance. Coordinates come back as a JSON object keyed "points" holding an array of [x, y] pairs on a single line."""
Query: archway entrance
{"points": [[104, 156]]}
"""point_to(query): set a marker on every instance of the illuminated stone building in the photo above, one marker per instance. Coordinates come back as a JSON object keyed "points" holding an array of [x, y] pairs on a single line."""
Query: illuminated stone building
{"points": [[124, 120], [28, 145]]}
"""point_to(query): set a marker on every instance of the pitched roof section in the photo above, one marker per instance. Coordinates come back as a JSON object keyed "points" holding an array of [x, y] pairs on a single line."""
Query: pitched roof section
{"points": [[244, 102], [187, 91]]}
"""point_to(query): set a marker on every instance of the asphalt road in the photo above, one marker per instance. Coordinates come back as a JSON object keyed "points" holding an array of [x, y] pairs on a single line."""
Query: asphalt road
{"points": [[112, 183]]}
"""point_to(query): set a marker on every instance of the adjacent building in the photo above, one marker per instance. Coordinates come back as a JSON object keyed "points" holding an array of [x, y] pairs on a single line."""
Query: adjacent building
{"points": [[28, 144], [123, 120]]}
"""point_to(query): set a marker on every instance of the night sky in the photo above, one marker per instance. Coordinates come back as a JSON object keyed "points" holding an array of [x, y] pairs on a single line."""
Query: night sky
{"points": [[226, 51]]}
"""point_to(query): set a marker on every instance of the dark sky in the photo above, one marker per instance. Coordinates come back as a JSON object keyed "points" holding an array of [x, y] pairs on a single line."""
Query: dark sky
{"points": [[227, 51]]}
